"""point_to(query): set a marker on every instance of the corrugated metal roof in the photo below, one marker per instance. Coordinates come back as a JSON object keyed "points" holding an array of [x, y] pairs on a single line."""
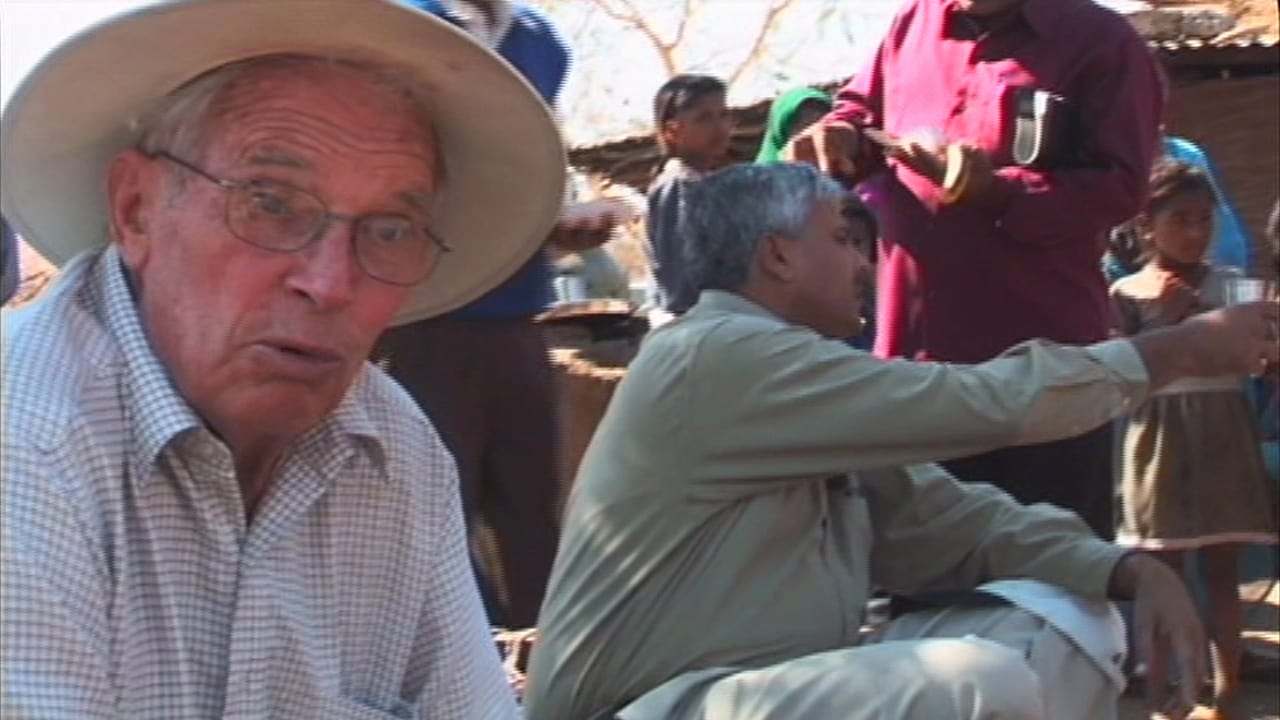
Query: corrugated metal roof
{"points": [[1191, 44], [1223, 23]]}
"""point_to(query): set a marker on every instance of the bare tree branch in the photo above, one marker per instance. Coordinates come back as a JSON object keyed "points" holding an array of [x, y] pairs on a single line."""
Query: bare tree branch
{"points": [[684, 23], [770, 19], [631, 17]]}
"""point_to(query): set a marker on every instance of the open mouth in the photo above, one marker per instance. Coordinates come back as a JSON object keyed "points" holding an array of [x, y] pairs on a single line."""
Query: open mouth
{"points": [[296, 353]]}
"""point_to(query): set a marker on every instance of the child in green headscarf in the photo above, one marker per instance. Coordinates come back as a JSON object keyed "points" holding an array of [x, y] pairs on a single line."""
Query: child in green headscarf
{"points": [[792, 111]]}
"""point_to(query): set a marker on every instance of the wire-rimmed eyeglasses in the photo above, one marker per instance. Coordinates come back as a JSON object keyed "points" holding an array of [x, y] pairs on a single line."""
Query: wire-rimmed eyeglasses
{"points": [[276, 216]]}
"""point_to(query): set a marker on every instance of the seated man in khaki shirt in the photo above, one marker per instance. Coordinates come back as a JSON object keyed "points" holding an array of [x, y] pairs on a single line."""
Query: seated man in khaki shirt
{"points": [[754, 477]]}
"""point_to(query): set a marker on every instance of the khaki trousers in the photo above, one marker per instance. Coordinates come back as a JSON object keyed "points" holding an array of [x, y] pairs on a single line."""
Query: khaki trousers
{"points": [[970, 663]]}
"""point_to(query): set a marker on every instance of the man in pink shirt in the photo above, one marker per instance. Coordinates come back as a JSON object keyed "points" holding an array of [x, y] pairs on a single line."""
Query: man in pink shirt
{"points": [[1054, 107]]}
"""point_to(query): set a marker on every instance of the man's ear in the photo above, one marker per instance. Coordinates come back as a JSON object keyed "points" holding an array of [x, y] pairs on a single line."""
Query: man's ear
{"points": [[134, 185], [776, 258]]}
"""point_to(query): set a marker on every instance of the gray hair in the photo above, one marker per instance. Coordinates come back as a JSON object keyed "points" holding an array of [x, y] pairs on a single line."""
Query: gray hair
{"points": [[726, 215], [182, 121]]}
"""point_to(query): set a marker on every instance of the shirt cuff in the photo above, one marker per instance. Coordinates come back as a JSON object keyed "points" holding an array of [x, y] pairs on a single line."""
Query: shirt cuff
{"points": [[1122, 358], [1091, 578]]}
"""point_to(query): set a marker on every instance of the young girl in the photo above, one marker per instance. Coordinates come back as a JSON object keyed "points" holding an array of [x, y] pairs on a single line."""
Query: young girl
{"points": [[1193, 476], [693, 135], [790, 113]]}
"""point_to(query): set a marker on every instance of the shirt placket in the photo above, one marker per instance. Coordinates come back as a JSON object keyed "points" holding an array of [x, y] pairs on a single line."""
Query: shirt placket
{"points": [[214, 471], [255, 625], [831, 558]]}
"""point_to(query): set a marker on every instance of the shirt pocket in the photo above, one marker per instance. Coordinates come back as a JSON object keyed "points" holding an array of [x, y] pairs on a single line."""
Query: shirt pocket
{"points": [[1002, 83]]}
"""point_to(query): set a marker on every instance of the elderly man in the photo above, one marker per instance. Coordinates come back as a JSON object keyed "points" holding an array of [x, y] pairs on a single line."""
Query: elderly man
{"points": [[754, 476], [213, 505], [1056, 104]]}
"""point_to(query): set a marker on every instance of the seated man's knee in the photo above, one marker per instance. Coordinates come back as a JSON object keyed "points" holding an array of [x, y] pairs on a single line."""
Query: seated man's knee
{"points": [[946, 679], [975, 678], [1066, 634]]}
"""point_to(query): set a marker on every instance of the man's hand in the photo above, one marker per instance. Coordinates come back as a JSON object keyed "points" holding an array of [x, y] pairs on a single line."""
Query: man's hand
{"points": [[832, 147], [962, 171], [1237, 340], [979, 172], [1164, 621], [921, 155], [1233, 341], [567, 237]]}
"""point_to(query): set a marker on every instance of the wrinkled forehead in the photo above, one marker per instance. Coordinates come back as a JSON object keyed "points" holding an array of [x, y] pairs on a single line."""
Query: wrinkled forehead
{"points": [[232, 103], [311, 81]]}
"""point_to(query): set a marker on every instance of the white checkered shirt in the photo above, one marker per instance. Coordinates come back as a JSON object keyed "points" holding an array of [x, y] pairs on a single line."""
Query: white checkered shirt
{"points": [[132, 586]]}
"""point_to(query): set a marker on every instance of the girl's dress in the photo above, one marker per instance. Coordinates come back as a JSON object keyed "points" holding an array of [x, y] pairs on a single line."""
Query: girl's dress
{"points": [[1192, 472]]}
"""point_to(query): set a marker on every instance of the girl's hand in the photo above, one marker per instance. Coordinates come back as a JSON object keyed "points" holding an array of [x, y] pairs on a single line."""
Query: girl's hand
{"points": [[1176, 299]]}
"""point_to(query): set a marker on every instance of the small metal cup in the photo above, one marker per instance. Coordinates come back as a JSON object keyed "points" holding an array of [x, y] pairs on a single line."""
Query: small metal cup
{"points": [[1238, 290]]}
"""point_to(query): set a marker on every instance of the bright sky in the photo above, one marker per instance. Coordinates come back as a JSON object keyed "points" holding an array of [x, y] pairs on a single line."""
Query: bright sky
{"points": [[609, 92], [614, 76], [30, 28]]}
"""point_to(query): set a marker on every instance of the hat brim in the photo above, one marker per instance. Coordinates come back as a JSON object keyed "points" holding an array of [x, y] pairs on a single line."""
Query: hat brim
{"points": [[503, 158]]}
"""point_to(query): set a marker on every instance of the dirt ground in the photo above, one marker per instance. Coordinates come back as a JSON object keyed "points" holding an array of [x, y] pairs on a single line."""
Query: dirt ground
{"points": [[1261, 697]]}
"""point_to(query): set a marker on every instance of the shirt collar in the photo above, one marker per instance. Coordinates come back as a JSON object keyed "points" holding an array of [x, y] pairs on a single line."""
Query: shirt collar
{"points": [[348, 424], [1043, 15], [677, 169], [731, 302], [475, 22], [1040, 15], [157, 414]]}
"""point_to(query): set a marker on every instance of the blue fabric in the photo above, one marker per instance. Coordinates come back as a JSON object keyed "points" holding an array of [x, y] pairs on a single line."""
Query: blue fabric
{"points": [[1114, 269], [1230, 243], [11, 278], [533, 47]]}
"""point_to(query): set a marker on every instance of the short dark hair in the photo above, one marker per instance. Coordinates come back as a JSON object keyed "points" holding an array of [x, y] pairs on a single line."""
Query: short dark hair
{"points": [[681, 92], [1172, 178], [853, 209]]}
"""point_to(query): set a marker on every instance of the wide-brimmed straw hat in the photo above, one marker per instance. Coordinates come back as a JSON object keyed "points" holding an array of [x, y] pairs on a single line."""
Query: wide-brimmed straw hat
{"points": [[504, 161]]}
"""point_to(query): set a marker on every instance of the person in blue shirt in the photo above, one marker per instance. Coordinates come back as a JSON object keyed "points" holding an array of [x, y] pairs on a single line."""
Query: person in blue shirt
{"points": [[482, 373], [11, 278]]}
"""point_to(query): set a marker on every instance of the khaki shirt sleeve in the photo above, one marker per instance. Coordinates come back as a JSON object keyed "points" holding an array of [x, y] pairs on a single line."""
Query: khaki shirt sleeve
{"points": [[786, 404], [933, 533]]}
